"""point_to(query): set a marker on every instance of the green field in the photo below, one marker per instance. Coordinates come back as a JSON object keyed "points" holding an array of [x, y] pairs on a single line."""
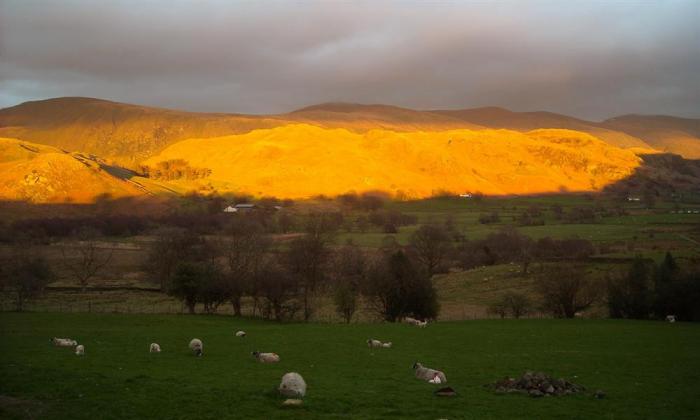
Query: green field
{"points": [[647, 369]]}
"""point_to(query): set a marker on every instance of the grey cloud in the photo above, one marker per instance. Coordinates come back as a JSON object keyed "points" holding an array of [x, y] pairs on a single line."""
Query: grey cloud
{"points": [[593, 59]]}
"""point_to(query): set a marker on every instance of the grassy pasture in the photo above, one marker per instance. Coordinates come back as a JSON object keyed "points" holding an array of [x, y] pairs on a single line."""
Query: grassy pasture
{"points": [[647, 369]]}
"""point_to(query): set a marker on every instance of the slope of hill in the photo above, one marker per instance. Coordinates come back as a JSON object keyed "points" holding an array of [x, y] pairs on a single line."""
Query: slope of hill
{"points": [[495, 117], [44, 174], [301, 160], [669, 134], [127, 133], [362, 118]]}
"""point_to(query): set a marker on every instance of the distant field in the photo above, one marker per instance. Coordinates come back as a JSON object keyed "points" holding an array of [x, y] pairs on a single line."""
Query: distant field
{"points": [[647, 369]]}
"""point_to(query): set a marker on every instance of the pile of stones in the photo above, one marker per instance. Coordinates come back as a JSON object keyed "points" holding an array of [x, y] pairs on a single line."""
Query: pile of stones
{"points": [[536, 384]]}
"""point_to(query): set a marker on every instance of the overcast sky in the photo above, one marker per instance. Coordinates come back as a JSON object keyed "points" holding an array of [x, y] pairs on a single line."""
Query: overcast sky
{"points": [[592, 59]]}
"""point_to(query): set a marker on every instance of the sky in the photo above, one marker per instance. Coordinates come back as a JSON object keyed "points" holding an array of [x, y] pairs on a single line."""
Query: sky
{"points": [[591, 59]]}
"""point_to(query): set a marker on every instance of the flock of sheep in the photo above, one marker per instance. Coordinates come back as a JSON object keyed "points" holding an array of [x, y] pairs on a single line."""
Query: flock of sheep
{"points": [[292, 384]]}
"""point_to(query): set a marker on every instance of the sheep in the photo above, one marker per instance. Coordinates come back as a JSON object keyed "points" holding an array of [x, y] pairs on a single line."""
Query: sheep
{"points": [[80, 350], [266, 357], [671, 318], [376, 343], [197, 347], [373, 343], [422, 324], [64, 342], [431, 375], [292, 385], [411, 321], [155, 348], [240, 333]]}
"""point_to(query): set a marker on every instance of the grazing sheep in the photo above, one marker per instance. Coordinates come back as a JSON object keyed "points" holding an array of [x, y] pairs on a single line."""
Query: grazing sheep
{"points": [[64, 342], [428, 374], [292, 385], [266, 357], [197, 347], [387, 345], [422, 324], [372, 343], [155, 348], [671, 318], [240, 333], [80, 350]]}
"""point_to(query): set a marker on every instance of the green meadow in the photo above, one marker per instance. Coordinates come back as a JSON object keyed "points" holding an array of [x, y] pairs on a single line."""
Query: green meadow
{"points": [[647, 369]]}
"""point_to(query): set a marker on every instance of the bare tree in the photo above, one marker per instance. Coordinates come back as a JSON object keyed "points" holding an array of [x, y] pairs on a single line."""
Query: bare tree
{"points": [[566, 289], [431, 245], [244, 253], [87, 259], [349, 273], [25, 275], [306, 259]]}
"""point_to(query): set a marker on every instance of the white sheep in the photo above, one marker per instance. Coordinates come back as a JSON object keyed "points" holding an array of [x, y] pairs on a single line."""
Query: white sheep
{"points": [[64, 342], [266, 357], [430, 375], [80, 350], [372, 343], [240, 333], [411, 321], [196, 346], [155, 348], [387, 345], [422, 324], [292, 385], [671, 318]]}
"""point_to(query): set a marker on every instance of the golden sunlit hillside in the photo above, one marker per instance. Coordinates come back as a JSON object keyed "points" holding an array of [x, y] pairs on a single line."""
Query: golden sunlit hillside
{"points": [[495, 117], [42, 174], [123, 132], [303, 160]]}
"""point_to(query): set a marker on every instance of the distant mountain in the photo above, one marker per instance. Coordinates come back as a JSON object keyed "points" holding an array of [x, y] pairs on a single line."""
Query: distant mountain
{"points": [[494, 117], [361, 118], [302, 160], [128, 133], [43, 174], [669, 134]]}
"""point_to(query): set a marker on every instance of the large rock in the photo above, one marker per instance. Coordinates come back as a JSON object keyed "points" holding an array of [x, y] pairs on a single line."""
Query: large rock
{"points": [[292, 385]]}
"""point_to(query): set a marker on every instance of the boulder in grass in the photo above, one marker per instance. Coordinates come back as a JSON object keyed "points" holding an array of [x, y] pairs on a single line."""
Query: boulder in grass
{"points": [[536, 384]]}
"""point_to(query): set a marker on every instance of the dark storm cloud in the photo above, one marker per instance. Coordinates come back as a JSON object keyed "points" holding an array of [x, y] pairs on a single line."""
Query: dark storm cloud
{"points": [[594, 59]]}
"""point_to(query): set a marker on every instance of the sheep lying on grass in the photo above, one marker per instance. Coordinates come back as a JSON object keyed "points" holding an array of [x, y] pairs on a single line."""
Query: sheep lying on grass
{"points": [[64, 342], [376, 343], [266, 357], [292, 385], [240, 333], [671, 318], [155, 348], [197, 347], [431, 375], [411, 321], [80, 350], [416, 322]]}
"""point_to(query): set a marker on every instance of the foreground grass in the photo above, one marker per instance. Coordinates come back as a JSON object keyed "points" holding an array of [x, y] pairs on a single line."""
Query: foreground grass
{"points": [[647, 369]]}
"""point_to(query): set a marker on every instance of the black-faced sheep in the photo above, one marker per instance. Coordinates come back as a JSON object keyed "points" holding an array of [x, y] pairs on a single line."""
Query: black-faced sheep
{"points": [[266, 357], [197, 347]]}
